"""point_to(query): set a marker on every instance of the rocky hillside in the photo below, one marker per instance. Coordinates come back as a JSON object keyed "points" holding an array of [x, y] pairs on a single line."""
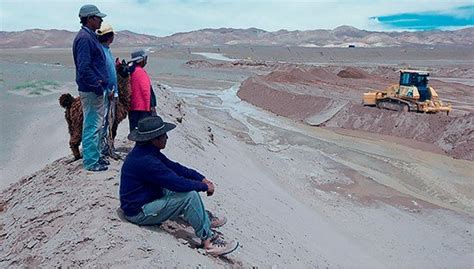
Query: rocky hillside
{"points": [[342, 36], [38, 38]]}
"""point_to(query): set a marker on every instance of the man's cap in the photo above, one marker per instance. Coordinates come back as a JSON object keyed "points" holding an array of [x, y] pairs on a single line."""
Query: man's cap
{"points": [[150, 128], [90, 10], [138, 56], [105, 28]]}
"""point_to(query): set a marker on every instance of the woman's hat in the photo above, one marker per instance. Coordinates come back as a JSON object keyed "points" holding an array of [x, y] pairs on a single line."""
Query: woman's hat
{"points": [[138, 56], [149, 128]]}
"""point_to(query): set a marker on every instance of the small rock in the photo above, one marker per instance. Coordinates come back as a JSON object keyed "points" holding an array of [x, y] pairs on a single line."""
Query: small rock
{"points": [[146, 248], [183, 241], [31, 243]]}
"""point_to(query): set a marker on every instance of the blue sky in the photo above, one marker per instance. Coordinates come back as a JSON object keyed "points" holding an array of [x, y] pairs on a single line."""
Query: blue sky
{"points": [[428, 20], [165, 17]]}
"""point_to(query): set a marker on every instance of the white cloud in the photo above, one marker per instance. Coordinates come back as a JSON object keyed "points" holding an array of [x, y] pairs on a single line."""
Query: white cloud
{"points": [[460, 13], [159, 17]]}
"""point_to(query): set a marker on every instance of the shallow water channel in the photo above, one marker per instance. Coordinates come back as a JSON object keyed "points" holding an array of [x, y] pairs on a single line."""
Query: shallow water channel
{"points": [[434, 178]]}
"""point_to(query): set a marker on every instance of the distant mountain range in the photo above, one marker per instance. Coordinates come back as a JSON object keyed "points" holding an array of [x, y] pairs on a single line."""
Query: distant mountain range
{"points": [[342, 36]]}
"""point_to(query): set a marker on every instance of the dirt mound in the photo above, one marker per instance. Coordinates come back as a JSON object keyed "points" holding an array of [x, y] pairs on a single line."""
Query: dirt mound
{"points": [[422, 127], [458, 137], [295, 106], [454, 135], [300, 75], [352, 72], [293, 76], [323, 73]]}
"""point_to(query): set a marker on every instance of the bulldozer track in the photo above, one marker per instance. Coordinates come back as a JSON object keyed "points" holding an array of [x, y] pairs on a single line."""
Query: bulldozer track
{"points": [[393, 104]]}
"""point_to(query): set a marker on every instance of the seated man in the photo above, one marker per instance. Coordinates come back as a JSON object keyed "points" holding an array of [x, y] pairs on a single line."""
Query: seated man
{"points": [[154, 188]]}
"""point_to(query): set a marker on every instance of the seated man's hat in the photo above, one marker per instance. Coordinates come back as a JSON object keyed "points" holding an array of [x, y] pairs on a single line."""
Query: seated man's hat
{"points": [[150, 128]]}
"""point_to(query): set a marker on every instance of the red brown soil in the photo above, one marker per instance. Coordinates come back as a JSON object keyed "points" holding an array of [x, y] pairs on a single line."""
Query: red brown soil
{"points": [[300, 93], [352, 72], [294, 106]]}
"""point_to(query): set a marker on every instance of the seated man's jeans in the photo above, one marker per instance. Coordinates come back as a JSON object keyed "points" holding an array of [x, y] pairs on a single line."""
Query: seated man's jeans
{"points": [[93, 111], [173, 204]]}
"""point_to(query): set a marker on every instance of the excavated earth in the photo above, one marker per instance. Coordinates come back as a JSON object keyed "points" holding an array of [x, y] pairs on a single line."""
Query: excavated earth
{"points": [[331, 97]]}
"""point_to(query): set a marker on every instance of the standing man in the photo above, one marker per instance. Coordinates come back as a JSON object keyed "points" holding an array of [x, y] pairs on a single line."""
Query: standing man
{"points": [[142, 98], [106, 37], [91, 79]]}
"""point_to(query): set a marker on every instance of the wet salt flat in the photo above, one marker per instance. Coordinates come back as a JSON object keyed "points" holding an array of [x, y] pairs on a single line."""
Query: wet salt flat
{"points": [[214, 56]]}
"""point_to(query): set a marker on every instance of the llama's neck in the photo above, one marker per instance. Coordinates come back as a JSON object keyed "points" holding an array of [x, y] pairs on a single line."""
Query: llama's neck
{"points": [[124, 90]]}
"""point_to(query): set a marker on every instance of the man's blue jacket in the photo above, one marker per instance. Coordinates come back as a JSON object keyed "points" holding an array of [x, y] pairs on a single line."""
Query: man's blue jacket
{"points": [[91, 71], [146, 171]]}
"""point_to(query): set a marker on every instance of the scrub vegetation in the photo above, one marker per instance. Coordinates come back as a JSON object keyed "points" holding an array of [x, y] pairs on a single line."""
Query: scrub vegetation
{"points": [[38, 87]]}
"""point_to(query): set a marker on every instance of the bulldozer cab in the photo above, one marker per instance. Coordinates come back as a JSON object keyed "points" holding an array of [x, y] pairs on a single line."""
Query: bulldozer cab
{"points": [[416, 78]]}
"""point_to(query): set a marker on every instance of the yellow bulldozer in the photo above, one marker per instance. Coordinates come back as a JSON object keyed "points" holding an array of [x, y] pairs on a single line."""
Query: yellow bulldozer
{"points": [[411, 94]]}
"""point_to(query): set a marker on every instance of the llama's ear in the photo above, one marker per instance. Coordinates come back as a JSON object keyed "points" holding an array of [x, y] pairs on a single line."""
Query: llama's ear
{"points": [[124, 62], [117, 61]]}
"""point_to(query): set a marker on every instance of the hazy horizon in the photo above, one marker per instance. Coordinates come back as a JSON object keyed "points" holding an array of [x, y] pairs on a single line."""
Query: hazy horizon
{"points": [[164, 18], [395, 31]]}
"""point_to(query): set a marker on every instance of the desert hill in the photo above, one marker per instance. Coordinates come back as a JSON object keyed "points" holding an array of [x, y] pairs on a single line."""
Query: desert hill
{"points": [[342, 36], [295, 196]]}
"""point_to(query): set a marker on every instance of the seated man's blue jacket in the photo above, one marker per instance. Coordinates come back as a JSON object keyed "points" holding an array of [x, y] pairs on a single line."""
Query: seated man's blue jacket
{"points": [[146, 171], [90, 62]]}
